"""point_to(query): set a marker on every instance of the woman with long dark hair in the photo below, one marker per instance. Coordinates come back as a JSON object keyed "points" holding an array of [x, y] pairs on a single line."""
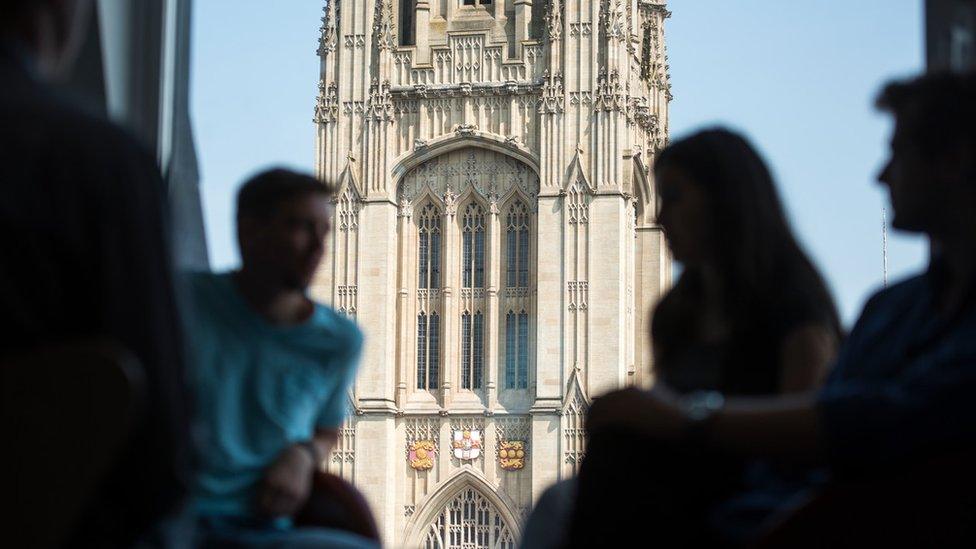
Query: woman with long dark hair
{"points": [[750, 314]]}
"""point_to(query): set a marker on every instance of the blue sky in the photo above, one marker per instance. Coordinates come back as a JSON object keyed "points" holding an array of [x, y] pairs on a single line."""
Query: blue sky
{"points": [[798, 78]]}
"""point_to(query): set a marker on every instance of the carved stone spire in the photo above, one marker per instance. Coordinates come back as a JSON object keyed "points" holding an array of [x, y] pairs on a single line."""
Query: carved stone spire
{"points": [[384, 30], [328, 34], [554, 19]]}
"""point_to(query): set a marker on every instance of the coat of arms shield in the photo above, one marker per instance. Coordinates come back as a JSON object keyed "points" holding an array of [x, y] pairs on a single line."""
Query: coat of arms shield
{"points": [[467, 445]]}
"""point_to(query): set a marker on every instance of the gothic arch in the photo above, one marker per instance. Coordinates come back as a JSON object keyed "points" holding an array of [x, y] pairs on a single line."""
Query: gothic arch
{"points": [[643, 192], [513, 195], [576, 173], [471, 195], [434, 504], [451, 142], [349, 180], [455, 175]]}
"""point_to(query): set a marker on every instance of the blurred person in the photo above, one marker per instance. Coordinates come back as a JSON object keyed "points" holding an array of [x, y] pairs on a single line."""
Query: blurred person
{"points": [[84, 257], [897, 398], [270, 369], [749, 316]]}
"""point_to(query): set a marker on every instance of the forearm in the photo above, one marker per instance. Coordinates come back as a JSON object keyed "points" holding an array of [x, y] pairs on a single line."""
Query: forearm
{"points": [[783, 428], [324, 441]]}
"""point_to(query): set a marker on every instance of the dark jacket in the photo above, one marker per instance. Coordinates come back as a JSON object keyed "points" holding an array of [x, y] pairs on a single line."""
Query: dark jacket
{"points": [[84, 253]]}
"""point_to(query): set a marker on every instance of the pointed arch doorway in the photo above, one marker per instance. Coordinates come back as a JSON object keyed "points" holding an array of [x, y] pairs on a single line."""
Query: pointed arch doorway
{"points": [[469, 521], [464, 512]]}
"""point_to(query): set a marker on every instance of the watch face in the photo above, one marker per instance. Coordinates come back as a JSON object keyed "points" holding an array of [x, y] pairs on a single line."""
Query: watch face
{"points": [[701, 405]]}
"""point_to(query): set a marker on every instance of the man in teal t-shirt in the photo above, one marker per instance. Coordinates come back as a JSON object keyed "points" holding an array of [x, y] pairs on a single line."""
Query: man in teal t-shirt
{"points": [[270, 371]]}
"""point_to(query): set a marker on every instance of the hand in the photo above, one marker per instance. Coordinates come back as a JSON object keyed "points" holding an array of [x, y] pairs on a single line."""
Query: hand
{"points": [[655, 413], [287, 483]]}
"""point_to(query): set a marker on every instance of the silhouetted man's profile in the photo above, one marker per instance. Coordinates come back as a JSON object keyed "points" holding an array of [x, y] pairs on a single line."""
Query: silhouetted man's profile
{"points": [[900, 393], [84, 254]]}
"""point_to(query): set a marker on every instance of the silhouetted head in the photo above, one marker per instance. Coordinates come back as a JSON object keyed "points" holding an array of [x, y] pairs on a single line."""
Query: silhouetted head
{"points": [[720, 210], [931, 173], [718, 204], [52, 31], [283, 218]]}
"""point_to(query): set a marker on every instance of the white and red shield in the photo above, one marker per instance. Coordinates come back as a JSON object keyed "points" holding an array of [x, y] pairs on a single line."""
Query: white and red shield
{"points": [[467, 445]]}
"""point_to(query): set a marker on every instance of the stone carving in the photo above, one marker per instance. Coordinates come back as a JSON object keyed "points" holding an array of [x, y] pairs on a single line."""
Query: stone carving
{"points": [[554, 19], [467, 445], [384, 30], [350, 41], [610, 96], [465, 129], [511, 455], [327, 103], [614, 19], [421, 455], [551, 101], [380, 101], [578, 290], [580, 29], [328, 34], [419, 143], [488, 172]]}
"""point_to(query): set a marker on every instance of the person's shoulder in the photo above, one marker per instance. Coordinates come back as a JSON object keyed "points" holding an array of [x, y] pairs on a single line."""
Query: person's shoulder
{"points": [[206, 291], [895, 293]]}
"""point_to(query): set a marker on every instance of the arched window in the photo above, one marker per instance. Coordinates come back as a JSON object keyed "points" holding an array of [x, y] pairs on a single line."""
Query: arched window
{"points": [[406, 23], [473, 247], [428, 350], [469, 521], [517, 246], [472, 350], [429, 247], [516, 350]]}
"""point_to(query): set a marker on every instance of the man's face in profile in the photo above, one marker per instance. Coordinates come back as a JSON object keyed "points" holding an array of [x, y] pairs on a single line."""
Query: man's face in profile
{"points": [[912, 182], [290, 243]]}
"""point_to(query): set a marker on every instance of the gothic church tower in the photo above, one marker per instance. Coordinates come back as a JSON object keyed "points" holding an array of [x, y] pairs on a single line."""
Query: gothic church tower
{"points": [[495, 238]]}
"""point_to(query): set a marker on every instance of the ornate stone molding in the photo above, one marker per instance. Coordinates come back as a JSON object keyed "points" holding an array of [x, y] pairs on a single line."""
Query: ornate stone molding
{"points": [[384, 30], [466, 89], [380, 104], [552, 98], [554, 20], [328, 34], [465, 129], [327, 104], [614, 19], [610, 96]]}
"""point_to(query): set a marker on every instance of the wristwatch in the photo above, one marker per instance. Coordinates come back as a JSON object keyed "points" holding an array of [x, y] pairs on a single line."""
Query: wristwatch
{"points": [[700, 408]]}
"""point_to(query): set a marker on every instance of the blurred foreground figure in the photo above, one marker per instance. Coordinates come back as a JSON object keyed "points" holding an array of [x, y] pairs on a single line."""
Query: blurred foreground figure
{"points": [[750, 315], [892, 430], [84, 264], [271, 370]]}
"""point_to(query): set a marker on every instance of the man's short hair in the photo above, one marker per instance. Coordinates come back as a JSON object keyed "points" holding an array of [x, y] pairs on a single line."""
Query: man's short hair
{"points": [[260, 195], [938, 110]]}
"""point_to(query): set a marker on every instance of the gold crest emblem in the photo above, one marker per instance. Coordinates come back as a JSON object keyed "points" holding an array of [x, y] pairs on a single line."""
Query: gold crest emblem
{"points": [[421, 455], [511, 455]]}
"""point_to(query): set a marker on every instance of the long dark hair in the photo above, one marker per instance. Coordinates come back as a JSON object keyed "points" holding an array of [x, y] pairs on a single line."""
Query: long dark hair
{"points": [[764, 271]]}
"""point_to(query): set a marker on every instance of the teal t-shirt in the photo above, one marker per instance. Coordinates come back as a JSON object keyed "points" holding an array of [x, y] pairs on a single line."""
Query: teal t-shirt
{"points": [[259, 388]]}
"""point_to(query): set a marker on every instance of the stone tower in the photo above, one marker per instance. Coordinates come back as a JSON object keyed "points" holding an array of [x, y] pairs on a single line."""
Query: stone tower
{"points": [[495, 238]]}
